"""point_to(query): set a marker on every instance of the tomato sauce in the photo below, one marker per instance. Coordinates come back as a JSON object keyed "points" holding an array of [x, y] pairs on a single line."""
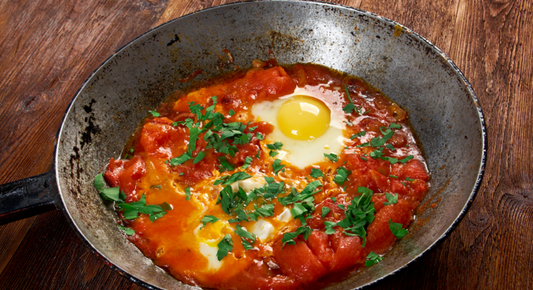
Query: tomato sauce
{"points": [[390, 165]]}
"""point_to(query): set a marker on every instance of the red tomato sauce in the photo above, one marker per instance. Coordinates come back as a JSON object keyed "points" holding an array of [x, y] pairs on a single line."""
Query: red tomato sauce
{"points": [[177, 241]]}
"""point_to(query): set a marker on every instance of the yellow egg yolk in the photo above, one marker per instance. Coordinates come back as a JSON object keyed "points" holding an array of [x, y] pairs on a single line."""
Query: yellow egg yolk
{"points": [[303, 118]]}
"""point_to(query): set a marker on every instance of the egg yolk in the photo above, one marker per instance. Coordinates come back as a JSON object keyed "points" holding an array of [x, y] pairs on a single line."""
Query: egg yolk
{"points": [[303, 118]]}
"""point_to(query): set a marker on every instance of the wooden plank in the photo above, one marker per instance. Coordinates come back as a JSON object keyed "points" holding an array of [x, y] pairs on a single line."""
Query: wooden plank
{"points": [[10, 237]]}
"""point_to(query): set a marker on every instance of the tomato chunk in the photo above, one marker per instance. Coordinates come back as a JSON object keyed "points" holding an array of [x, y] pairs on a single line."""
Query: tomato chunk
{"points": [[379, 236], [125, 174], [299, 262]]}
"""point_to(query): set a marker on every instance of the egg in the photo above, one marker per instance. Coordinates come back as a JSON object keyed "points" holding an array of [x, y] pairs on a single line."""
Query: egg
{"points": [[306, 126]]}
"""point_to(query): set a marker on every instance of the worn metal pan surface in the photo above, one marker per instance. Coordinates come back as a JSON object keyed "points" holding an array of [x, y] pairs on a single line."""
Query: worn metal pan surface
{"points": [[441, 103]]}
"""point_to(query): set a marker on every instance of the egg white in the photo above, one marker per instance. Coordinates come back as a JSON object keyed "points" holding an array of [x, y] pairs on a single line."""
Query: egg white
{"points": [[301, 153]]}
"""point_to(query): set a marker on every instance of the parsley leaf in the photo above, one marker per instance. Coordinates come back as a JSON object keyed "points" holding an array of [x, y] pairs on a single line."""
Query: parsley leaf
{"points": [[288, 238], [199, 157], [359, 214], [208, 219], [316, 173], [132, 209], [395, 126], [332, 156], [247, 162], [187, 193], [397, 230], [329, 227], [406, 159], [224, 247], [391, 199], [266, 210], [275, 146], [372, 259], [154, 113], [342, 175], [349, 108], [325, 211], [127, 231], [180, 159], [277, 166], [245, 236], [229, 179], [225, 165], [360, 134]]}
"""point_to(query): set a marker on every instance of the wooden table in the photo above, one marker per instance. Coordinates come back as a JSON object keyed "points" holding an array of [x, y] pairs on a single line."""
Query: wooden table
{"points": [[49, 47]]}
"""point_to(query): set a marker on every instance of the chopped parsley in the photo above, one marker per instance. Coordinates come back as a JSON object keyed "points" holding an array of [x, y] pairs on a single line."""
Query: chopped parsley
{"points": [[332, 156], [224, 247], [391, 199], [187, 193], [359, 214], [277, 166], [342, 175], [199, 157], [288, 238], [360, 134], [397, 230], [133, 209], [316, 173], [247, 238], [406, 159], [154, 113], [275, 146], [350, 107], [208, 219], [224, 164], [247, 162], [372, 259], [329, 227], [325, 211], [127, 231]]}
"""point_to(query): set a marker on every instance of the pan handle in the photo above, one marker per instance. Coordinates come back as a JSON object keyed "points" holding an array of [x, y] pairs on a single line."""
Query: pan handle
{"points": [[28, 197]]}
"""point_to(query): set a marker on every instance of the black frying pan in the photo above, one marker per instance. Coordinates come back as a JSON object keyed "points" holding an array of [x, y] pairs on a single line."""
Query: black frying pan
{"points": [[441, 103]]}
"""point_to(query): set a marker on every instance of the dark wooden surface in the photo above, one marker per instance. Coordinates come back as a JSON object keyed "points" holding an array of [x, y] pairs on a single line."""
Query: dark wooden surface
{"points": [[49, 47]]}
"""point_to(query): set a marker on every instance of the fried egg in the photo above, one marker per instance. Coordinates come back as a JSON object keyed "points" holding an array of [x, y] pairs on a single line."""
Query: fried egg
{"points": [[307, 127]]}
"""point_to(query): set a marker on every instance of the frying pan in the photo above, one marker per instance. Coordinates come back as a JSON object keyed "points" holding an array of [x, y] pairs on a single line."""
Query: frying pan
{"points": [[442, 107]]}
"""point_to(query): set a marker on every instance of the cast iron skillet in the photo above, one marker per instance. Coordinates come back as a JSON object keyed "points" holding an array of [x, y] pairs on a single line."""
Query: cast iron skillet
{"points": [[441, 103]]}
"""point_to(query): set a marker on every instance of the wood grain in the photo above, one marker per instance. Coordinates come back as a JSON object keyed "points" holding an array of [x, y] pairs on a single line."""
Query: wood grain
{"points": [[49, 47]]}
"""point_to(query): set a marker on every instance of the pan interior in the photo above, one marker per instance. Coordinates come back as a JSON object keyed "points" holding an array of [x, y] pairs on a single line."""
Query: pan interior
{"points": [[442, 109]]}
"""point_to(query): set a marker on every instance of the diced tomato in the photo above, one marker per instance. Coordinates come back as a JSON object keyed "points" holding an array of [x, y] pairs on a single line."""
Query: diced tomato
{"points": [[399, 139], [380, 181], [318, 242], [259, 85], [298, 262], [379, 236], [378, 201], [259, 276], [114, 169], [413, 169], [398, 187], [348, 253], [336, 214], [125, 174], [312, 75], [418, 190], [163, 140]]}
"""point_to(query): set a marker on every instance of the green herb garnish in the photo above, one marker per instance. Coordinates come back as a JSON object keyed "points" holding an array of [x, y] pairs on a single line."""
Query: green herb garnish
{"points": [[224, 247], [397, 230]]}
